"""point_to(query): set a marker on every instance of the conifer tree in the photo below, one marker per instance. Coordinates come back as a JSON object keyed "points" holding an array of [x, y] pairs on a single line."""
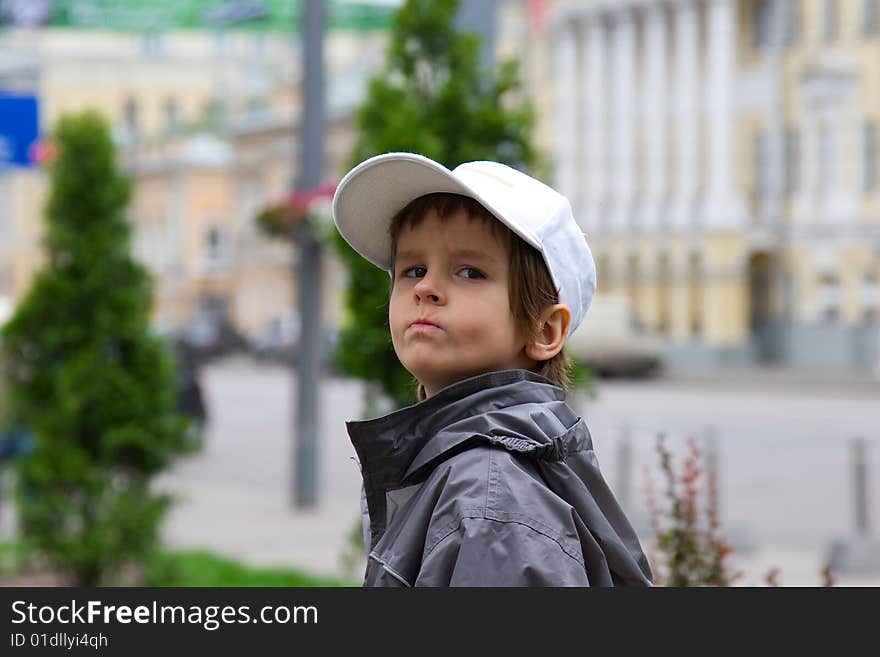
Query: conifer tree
{"points": [[433, 98], [85, 375]]}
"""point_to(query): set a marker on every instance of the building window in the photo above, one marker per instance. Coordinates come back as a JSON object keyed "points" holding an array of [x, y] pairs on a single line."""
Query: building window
{"points": [[792, 15], [869, 17], [151, 42], [215, 111], [220, 43], [257, 104], [604, 271], [663, 282], [172, 116], [829, 20], [695, 273], [131, 117], [251, 200], [215, 247], [760, 163], [792, 162], [829, 298], [869, 157], [870, 297], [258, 43], [632, 282], [825, 151], [211, 313], [762, 23]]}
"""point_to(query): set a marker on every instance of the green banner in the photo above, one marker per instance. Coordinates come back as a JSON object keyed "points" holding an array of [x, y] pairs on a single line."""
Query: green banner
{"points": [[161, 15]]}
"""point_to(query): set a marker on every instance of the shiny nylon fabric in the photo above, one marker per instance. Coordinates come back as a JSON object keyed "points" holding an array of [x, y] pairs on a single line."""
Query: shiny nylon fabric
{"points": [[493, 481]]}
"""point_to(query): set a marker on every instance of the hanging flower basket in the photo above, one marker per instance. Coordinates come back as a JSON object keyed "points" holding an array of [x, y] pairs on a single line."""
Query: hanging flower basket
{"points": [[282, 218]]}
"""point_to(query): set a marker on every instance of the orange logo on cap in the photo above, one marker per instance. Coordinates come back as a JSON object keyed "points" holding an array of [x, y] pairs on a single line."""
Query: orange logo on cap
{"points": [[491, 174]]}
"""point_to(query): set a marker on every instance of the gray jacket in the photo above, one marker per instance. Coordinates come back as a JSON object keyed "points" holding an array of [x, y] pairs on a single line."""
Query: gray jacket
{"points": [[493, 481]]}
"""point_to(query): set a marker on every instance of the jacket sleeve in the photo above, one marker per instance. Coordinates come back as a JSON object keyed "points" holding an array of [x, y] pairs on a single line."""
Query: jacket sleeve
{"points": [[485, 552]]}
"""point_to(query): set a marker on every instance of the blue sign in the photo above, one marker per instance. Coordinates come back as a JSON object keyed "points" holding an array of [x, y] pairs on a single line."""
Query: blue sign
{"points": [[19, 130]]}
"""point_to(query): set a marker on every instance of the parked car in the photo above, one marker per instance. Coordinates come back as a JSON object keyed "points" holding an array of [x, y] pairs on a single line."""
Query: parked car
{"points": [[187, 383], [279, 341], [190, 399], [608, 342], [208, 338]]}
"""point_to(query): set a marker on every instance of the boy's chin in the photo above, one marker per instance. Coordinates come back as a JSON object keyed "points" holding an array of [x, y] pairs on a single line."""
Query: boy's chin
{"points": [[434, 383], [433, 380]]}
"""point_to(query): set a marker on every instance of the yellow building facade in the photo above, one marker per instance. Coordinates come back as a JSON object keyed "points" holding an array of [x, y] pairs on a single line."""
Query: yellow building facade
{"points": [[722, 158], [207, 127], [195, 204]]}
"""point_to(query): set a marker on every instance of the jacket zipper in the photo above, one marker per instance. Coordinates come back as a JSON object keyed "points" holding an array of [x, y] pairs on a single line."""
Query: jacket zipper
{"points": [[390, 570]]}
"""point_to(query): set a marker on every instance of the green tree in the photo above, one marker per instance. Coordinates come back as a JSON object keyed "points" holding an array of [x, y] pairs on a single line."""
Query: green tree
{"points": [[86, 376], [431, 98]]}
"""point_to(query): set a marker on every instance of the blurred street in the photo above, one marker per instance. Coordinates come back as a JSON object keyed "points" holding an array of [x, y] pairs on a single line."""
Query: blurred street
{"points": [[783, 459], [235, 495]]}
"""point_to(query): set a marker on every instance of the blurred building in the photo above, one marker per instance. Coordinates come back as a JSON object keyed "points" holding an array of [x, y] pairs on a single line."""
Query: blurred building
{"points": [[207, 126], [195, 204], [722, 158]]}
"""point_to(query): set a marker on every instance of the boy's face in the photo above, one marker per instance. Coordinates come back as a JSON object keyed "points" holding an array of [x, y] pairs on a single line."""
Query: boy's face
{"points": [[453, 275]]}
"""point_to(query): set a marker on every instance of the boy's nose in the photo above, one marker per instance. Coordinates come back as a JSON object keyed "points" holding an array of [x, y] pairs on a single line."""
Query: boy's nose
{"points": [[428, 290]]}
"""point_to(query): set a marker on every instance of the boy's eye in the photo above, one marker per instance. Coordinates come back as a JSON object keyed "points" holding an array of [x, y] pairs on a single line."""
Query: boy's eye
{"points": [[419, 271], [470, 272]]}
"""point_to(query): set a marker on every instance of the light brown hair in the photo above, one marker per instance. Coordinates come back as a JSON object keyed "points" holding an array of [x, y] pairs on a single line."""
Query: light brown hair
{"points": [[530, 288]]}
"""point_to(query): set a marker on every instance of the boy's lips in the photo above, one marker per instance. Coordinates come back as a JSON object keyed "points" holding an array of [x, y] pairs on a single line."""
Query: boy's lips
{"points": [[424, 324]]}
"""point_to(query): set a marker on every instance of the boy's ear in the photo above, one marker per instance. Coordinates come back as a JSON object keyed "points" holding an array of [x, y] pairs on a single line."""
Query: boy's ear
{"points": [[550, 339]]}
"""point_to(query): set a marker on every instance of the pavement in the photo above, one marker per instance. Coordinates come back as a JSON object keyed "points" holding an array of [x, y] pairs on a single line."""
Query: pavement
{"points": [[235, 497], [781, 449], [774, 376]]}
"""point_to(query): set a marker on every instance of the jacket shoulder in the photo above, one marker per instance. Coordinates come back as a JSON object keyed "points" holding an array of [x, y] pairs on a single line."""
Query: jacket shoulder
{"points": [[483, 552], [495, 484]]}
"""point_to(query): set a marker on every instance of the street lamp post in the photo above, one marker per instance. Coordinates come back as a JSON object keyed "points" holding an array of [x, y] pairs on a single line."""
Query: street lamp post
{"points": [[308, 273]]}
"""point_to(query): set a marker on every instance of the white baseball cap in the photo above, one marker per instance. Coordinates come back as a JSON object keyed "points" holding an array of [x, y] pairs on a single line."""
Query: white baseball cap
{"points": [[369, 196]]}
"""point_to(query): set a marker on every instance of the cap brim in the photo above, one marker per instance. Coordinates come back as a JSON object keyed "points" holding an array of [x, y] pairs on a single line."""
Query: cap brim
{"points": [[369, 196]]}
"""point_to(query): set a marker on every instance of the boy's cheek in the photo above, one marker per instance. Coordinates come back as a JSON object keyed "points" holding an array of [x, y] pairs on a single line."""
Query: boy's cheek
{"points": [[395, 319], [396, 330]]}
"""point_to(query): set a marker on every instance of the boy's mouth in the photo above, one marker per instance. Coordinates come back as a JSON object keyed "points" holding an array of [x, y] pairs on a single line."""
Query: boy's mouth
{"points": [[423, 324]]}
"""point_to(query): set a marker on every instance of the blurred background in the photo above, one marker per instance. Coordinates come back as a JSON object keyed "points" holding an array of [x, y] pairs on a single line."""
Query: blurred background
{"points": [[720, 155]]}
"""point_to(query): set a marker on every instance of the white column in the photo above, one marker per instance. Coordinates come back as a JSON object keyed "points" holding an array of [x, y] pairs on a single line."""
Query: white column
{"points": [[623, 113], [655, 116], [846, 157], [686, 109], [566, 110], [807, 199], [724, 206], [596, 104], [581, 200]]}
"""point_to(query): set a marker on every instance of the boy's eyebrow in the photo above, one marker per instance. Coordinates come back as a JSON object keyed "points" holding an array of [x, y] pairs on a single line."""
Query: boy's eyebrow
{"points": [[468, 253]]}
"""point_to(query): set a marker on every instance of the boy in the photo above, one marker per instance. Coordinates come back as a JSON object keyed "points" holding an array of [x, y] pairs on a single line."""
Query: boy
{"points": [[490, 479]]}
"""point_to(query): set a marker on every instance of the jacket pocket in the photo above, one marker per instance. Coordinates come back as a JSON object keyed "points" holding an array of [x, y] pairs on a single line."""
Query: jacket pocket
{"points": [[379, 573]]}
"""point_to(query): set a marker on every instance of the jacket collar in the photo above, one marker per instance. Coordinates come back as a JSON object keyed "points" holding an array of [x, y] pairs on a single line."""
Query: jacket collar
{"points": [[515, 409], [396, 447]]}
